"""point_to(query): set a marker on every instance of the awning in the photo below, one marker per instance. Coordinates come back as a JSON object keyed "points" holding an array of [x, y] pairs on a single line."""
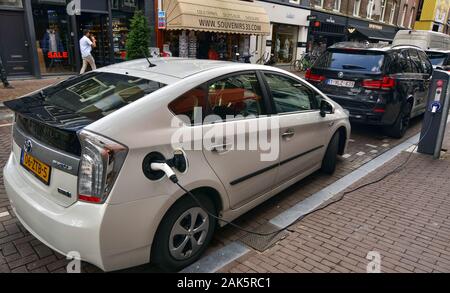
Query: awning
{"points": [[372, 34], [226, 16]]}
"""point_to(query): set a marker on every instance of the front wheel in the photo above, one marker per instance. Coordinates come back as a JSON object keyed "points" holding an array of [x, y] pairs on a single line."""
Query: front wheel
{"points": [[184, 233], [330, 159]]}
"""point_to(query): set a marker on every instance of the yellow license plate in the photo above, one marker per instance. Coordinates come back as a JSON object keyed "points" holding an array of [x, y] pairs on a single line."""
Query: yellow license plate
{"points": [[36, 167]]}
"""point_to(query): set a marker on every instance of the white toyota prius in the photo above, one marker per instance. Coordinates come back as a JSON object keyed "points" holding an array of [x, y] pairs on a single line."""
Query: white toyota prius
{"points": [[94, 158]]}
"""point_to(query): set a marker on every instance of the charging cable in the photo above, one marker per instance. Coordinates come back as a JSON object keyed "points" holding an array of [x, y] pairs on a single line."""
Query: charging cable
{"points": [[171, 175]]}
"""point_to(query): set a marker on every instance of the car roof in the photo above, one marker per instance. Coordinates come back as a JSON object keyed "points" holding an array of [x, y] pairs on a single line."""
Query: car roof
{"points": [[432, 50], [371, 46], [174, 67]]}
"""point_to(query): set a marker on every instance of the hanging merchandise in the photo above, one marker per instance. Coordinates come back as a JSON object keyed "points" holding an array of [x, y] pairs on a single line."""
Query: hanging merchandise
{"points": [[192, 45], [183, 45]]}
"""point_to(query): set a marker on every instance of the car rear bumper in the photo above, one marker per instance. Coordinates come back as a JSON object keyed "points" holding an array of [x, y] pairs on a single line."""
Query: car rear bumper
{"points": [[111, 237]]}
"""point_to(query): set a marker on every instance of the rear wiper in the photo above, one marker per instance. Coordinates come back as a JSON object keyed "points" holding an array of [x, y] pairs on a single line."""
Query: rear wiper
{"points": [[351, 66]]}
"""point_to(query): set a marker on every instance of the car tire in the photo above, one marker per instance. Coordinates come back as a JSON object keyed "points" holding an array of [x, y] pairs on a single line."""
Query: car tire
{"points": [[401, 125], [168, 251], [330, 159]]}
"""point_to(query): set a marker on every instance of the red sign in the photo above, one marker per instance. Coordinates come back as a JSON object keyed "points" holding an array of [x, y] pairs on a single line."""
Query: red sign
{"points": [[58, 55]]}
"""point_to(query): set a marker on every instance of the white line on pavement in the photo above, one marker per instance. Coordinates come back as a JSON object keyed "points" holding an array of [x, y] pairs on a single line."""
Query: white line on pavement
{"points": [[346, 156], [4, 214], [4, 125], [360, 154], [371, 145]]}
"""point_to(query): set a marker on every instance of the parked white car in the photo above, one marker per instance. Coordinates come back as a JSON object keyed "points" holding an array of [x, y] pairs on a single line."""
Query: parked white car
{"points": [[79, 177]]}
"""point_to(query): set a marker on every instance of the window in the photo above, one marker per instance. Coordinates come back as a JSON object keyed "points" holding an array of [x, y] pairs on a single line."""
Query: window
{"points": [[428, 67], [405, 9], [383, 10], [318, 3], [416, 63], [290, 95], [191, 104], [356, 7], [370, 8], [11, 3], [363, 61], [411, 17], [403, 63], [236, 95], [436, 58], [337, 5], [392, 14]]}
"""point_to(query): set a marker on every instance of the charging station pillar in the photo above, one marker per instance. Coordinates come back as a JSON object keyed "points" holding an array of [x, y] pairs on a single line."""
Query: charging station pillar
{"points": [[435, 120]]}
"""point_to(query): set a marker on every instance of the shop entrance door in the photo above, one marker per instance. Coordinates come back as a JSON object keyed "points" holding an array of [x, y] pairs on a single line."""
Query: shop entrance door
{"points": [[14, 44], [98, 25]]}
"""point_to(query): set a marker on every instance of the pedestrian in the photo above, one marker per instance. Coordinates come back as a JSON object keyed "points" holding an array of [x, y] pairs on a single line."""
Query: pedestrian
{"points": [[87, 42], [3, 76]]}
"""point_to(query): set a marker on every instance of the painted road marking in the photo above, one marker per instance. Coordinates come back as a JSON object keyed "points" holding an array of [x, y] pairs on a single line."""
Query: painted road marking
{"points": [[351, 140], [360, 154], [371, 145], [346, 156], [374, 151], [385, 145], [4, 125], [4, 214]]}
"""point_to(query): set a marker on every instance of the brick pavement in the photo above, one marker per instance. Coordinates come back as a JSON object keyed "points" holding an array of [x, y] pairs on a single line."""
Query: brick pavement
{"points": [[22, 87], [406, 218]]}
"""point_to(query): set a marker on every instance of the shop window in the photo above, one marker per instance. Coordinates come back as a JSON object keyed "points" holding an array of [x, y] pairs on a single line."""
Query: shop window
{"points": [[337, 5], [53, 39], [392, 13], [191, 104], [284, 42], [370, 9], [238, 95], [11, 4], [405, 9], [411, 17], [383, 10], [289, 95], [318, 3]]}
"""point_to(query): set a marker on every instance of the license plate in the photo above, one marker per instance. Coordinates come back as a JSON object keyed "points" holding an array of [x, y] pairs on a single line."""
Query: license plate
{"points": [[36, 167], [341, 83]]}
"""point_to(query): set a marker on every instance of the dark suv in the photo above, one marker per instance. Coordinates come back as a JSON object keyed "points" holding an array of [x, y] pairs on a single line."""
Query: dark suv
{"points": [[378, 85]]}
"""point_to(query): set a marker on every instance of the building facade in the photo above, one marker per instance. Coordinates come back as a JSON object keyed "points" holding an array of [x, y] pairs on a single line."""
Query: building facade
{"points": [[43, 34], [433, 15]]}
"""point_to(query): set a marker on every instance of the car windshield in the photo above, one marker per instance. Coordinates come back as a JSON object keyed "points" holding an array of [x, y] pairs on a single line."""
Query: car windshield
{"points": [[436, 58], [98, 94], [351, 60]]}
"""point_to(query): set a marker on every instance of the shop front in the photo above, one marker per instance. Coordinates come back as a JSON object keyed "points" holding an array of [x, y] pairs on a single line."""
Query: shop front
{"points": [[359, 30], [45, 38], [212, 29], [288, 31], [325, 30]]}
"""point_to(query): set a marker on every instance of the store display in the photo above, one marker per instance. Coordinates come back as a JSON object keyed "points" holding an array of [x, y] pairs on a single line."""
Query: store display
{"points": [[120, 32], [183, 51], [192, 45]]}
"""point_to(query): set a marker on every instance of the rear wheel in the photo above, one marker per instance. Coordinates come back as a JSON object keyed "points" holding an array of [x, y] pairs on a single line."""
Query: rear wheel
{"points": [[330, 159], [184, 233], [400, 126]]}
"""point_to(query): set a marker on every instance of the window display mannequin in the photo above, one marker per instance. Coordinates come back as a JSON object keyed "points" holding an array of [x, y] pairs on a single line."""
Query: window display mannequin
{"points": [[51, 42]]}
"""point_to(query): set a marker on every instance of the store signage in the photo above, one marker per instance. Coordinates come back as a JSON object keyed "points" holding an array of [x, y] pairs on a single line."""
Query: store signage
{"points": [[311, 17], [330, 20], [161, 19], [58, 55], [375, 26], [351, 30]]}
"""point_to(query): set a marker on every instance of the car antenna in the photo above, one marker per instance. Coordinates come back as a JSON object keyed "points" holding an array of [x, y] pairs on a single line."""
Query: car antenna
{"points": [[150, 64]]}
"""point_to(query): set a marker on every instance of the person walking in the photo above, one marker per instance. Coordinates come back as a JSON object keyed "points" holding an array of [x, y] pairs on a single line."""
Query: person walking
{"points": [[4, 77], [87, 42]]}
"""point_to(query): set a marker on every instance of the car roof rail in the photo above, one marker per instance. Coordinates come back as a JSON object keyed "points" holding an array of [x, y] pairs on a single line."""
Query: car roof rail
{"points": [[407, 45]]}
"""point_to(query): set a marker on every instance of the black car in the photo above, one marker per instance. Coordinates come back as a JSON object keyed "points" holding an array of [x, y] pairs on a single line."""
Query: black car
{"points": [[439, 58], [378, 85]]}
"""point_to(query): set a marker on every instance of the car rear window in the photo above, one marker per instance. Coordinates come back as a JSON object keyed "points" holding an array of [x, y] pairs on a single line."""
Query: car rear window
{"points": [[351, 60], [436, 58], [98, 94]]}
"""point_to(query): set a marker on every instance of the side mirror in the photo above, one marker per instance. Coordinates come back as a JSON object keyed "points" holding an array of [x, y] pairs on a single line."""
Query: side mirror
{"points": [[326, 108]]}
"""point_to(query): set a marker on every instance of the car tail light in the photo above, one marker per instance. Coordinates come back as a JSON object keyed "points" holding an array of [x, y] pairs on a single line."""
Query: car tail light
{"points": [[313, 77], [379, 110], [386, 83], [101, 161]]}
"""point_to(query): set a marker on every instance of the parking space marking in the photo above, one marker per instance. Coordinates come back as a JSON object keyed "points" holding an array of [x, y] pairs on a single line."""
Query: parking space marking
{"points": [[314, 201], [360, 154], [374, 151], [371, 145], [346, 156], [385, 145], [4, 214], [218, 259]]}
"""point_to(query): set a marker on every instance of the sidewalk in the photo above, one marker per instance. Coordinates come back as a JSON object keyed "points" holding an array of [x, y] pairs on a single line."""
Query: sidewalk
{"points": [[22, 87], [405, 218]]}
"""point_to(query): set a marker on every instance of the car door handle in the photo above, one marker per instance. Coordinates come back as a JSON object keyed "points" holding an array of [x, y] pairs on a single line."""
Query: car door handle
{"points": [[221, 148], [289, 133]]}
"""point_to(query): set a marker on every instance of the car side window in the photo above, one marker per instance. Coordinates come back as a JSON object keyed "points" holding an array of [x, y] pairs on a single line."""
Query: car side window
{"points": [[290, 95], [192, 104], [416, 63], [236, 95], [426, 64], [404, 62]]}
